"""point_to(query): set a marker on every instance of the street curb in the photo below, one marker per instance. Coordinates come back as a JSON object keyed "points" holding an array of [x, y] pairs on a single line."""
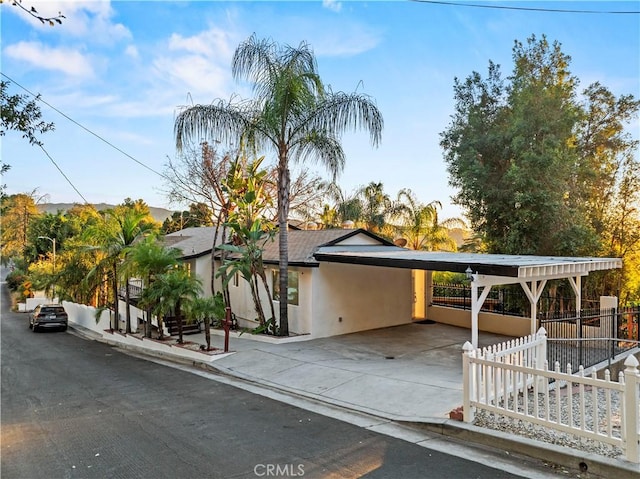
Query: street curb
{"points": [[563, 456]]}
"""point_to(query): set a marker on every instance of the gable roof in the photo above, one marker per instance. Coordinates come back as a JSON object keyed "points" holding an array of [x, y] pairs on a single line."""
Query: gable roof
{"points": [[193, 242], [303, 244]]}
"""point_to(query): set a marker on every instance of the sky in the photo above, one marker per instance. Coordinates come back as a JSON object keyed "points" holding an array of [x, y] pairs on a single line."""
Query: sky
{"points": [[115, 74]]}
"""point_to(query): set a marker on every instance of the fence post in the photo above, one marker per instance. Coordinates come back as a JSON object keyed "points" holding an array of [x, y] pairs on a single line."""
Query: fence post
{"points": [[631, 380], [468, 386], [541, 356]]}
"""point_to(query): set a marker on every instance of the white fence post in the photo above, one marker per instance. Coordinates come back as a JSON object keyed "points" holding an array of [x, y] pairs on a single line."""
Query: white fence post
{"points": [[468, 384], [541, 356], [631, 380]]}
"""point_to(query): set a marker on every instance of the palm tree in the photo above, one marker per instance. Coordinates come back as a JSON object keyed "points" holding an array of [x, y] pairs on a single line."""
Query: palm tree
{"points": [[376, 206], [206, 309], [148, 258], [420, 226], [292, 113], [121, 228], [172, 291]]}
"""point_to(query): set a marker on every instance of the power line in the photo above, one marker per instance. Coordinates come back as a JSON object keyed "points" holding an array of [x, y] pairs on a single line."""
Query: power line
{"points": [[62, 173], [529, 9], [82, 126]]}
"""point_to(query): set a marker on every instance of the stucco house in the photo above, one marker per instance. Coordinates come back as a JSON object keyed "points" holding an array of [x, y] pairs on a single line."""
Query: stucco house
{"points": [[348, 280], [325, 299]]}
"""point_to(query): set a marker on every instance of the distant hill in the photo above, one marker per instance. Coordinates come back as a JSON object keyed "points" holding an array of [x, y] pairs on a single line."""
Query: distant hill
{"points": [[159, 214]]}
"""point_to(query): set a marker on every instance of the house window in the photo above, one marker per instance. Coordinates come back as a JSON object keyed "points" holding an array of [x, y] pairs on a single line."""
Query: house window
{"points": [[292, 290]]}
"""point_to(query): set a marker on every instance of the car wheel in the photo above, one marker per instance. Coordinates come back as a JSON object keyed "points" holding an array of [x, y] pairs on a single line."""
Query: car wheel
{"points": [[64, 328], [34, 329]]}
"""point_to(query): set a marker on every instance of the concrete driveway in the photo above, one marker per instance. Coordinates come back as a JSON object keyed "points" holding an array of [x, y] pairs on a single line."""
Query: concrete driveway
{"points": [[411, 372]]}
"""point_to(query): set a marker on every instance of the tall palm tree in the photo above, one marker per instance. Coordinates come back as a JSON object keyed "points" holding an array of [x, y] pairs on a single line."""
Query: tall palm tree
{"points": [[172, 291], [292, 113], [148, 258], [121, 228]]}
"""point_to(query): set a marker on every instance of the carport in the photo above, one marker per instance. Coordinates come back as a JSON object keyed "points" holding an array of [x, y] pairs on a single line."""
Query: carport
{"points": [[483, 270]]}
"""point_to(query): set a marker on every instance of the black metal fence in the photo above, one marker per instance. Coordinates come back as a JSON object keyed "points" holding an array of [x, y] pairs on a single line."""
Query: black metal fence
{"points": [[590, 336], [508, 300]]}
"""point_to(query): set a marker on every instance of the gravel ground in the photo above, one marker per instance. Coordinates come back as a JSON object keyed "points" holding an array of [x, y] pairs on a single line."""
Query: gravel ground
{"points": [[593, 409]]}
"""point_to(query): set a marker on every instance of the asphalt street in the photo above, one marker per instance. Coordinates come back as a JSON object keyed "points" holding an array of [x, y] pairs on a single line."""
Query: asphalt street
{"points": [[74, 408]]}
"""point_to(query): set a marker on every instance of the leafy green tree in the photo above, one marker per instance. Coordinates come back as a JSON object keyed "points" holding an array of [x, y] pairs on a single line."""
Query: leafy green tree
{"points": [[20, 114], [18, 212], [172, 291], [292, 113], [246, 189], [538, 169], [509, 152], [199, 214]]}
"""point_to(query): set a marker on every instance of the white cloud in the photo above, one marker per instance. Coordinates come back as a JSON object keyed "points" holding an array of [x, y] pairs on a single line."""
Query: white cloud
{"points": [[332, 5], [66, 60], [211, 43], [131, 51], [345, 42], [198, 65]]}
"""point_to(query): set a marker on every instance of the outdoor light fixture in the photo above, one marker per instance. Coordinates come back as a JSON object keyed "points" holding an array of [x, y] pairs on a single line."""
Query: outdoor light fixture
{"points": [[469, 272]]}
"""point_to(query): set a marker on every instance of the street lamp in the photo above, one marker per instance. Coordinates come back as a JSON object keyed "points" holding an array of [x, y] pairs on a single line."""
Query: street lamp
{"points": [[53, 241]]}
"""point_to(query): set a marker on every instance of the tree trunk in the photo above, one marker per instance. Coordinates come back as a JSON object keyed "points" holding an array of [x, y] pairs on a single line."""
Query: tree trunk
{"points": [[179, 321], [127, 299], [147, 325], [283, 224], [116, 313], [266, 287], [160, 327], [207, 332], [257, 304]]}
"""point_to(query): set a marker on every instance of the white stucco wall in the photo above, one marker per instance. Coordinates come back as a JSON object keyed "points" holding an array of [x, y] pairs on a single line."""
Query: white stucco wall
{"points": [[299, 315], [365, 297], [202, 269]]}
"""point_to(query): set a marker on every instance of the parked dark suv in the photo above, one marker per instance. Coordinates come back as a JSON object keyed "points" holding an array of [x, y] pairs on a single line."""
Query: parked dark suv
{"points": [[47, 316]]}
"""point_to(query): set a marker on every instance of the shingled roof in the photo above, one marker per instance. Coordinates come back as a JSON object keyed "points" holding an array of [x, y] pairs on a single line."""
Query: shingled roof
{"points": [[197, 241], [193, 242], [304, 243]]}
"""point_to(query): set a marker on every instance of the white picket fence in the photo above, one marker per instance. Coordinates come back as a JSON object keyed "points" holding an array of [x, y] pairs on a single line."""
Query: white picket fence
{"points": [[512, 379]]}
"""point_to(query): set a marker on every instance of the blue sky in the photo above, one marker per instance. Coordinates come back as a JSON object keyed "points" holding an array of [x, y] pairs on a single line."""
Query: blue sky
{"points": [[122, 69]]}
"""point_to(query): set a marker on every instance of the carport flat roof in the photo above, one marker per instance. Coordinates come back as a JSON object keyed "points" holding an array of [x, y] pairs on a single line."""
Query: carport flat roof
{"points": [[514, 266]]}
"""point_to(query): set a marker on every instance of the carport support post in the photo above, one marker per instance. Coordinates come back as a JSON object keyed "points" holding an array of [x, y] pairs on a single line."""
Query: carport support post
{"points": [[475, 310]]}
